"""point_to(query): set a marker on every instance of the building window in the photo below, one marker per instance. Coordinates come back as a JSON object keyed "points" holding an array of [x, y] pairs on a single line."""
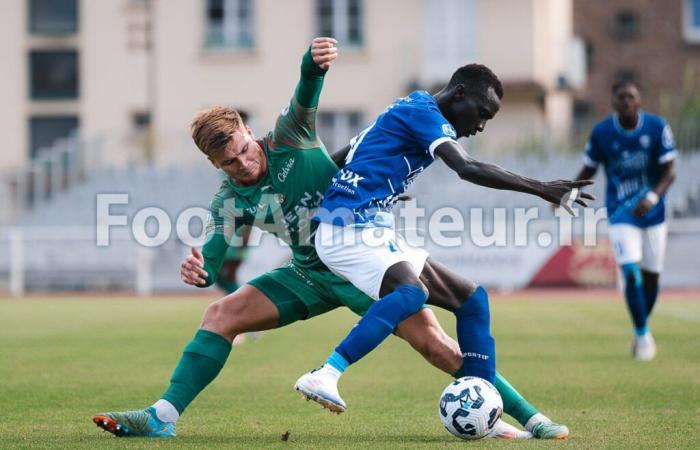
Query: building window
{"points": [[337, 128], [626, 26], [54, 74], [229, 24], [45, 130], [53, 16], [341, 19], [691, 20], [140, 121]]}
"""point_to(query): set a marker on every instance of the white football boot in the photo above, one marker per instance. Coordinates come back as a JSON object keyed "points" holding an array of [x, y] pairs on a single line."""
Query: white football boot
{"points": [[644, 347], [321, 386], [504, 430]]}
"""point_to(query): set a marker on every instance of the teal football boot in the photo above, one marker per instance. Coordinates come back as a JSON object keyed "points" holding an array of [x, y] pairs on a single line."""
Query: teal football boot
{"points": [[143, 422]]}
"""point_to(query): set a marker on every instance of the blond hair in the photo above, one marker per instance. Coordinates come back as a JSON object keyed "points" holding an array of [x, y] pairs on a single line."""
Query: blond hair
{"points": [[212, 128]]}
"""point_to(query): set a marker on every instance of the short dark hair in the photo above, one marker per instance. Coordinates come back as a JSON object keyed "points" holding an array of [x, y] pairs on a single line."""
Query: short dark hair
{"points": [[476, 75], [619, 84]]}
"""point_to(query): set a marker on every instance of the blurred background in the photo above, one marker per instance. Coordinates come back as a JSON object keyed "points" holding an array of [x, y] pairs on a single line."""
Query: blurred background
{"points": [[98, 96]]}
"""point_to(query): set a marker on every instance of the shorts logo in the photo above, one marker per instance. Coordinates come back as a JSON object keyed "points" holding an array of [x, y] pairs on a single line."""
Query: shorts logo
{"points": [[448, 130]]}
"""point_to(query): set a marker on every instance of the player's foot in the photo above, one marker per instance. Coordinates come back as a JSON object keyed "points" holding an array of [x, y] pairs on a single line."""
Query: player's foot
{"points": [[550, 430], [143, 422], [504, 430], [322, 389], [644, 347]]}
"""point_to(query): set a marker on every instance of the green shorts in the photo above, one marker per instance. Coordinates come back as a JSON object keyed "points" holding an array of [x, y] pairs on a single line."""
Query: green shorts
{"points": [[301, 294]]}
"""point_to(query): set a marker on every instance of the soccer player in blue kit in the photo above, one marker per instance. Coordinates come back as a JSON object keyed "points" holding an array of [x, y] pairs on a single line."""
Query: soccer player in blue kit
{"points": [[637, 150], [356, 237]]}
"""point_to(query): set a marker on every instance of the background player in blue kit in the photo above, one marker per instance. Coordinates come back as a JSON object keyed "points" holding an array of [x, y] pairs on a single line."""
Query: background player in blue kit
{"points": [[637, 150], [356, 238]]}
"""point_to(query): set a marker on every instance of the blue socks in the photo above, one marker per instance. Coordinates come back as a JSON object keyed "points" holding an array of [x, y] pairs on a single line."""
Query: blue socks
{"points": [[473, 330], [377, 324], [474, 336], [636, 299]]}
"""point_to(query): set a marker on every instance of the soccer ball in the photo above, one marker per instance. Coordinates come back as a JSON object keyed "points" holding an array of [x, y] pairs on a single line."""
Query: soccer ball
{"points": [[470, 407]]}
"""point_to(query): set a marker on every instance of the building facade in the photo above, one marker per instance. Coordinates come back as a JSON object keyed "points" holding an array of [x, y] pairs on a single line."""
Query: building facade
{"points": [[653, 42], [131, 73]]}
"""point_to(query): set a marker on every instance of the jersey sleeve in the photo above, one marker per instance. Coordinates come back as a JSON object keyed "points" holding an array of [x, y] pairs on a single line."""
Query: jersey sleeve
{"points": [[429, 129], [221, 231], [667, 147], [296, 125], [593, 154]]}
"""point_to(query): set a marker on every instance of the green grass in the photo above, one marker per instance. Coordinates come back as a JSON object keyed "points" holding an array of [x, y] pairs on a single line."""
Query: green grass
{"points": [[63, 360]]}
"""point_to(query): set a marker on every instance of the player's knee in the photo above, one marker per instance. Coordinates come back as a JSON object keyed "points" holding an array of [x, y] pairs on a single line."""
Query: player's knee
{"points": [[476, 307], [632, 274], [414, 297], [224, 317]]}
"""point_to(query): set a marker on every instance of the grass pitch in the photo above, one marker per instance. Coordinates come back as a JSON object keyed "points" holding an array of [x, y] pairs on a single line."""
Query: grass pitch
{"points": [[61, 361]]}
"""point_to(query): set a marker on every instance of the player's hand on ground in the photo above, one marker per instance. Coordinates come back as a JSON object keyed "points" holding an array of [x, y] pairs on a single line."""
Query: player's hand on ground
{"points": [[192, 269], [643, 207], [565, 193], [324, 51]]}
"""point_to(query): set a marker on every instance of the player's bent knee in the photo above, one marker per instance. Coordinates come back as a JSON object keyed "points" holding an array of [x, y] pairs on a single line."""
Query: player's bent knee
{"points": [[226, 316], [413, 298]]}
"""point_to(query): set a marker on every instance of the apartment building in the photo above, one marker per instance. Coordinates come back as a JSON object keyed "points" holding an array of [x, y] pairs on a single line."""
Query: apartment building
{"points": [[130, 74]]}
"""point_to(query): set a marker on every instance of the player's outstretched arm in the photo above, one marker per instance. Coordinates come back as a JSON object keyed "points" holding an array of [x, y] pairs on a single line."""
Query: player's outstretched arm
{"points": [[314, 64], [559, 192], [296, 126]]}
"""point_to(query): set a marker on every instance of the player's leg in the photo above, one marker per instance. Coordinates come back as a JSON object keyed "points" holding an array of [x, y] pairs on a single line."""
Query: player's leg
{"points": [[470, 305], [627, 243], [371, 260], [447, 289], [424, 333], [274, 299], [202, 359], [403, 296], [653, 255]]}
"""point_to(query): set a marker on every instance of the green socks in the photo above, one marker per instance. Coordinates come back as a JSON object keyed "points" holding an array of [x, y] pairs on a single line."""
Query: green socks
{"points": [[202, 360], [514, 404]]}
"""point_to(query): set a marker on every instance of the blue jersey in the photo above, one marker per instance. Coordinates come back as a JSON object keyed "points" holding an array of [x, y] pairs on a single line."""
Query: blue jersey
{"points": [[384, 159], [632, 160]]}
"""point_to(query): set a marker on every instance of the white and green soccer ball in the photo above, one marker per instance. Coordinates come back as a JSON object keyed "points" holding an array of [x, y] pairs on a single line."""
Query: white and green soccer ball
{"points": [[470, 407]]}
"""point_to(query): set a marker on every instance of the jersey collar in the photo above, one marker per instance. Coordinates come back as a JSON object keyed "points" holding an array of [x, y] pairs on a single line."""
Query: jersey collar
{"points": [[622, 130]]}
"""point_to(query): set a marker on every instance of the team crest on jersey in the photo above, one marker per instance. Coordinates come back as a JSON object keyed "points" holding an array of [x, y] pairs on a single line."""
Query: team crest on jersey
{"points": [[645, 141], [279, 198], [448, 130]]}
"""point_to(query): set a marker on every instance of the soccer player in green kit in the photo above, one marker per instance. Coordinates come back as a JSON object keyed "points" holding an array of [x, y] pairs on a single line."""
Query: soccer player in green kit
{"points": [[275, 184]]}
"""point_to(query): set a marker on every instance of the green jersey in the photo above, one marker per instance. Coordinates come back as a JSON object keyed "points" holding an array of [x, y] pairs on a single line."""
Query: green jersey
{"points": [[283, 201]]}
